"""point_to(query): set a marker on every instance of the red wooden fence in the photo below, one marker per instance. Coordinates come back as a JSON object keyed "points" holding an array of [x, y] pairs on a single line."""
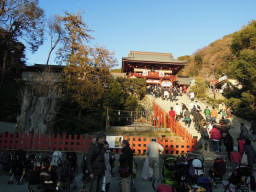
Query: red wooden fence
{"points": [[80, 143]]}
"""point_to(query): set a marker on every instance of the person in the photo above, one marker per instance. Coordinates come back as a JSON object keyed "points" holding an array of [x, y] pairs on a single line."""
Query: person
{"points": [[197, 106], [192, 106], [228, 142], [253, 127], [244, 133], [215, 137], [154, 150], [175, 93], [108, 161], [56, 162], [185, 89], [166, 94], [191, 95], [241, 143], [214, 114], [205, 137], [234, 180], [126, 166], [251, 154], [177, 110], [207, 114], [187, 118], [183, 108], [95, 164], [172, 113]]}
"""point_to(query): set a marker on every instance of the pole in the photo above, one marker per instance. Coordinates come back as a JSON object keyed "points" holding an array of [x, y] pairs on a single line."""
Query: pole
{"points": [[107, 121], [213, 71]]}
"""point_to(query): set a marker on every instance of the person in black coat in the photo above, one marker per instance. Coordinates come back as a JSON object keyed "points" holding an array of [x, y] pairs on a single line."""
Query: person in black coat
{"points": [[228, 142], [126, 166], [251, 153], [95, 164]]}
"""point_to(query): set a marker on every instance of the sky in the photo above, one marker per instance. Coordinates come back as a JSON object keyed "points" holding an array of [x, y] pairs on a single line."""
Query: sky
{"points": [[177, 26]]}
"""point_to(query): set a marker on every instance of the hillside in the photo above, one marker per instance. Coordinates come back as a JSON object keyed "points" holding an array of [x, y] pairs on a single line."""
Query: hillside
{"points": [[214, 56]]}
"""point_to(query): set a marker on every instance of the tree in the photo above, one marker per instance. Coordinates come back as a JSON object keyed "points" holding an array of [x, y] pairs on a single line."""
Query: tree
{"points": [[56, 34], [76, 32], [243, 66], [20, 20]]}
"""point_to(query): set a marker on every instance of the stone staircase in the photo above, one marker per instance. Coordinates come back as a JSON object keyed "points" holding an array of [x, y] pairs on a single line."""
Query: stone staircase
{"points": [[166, 105]]}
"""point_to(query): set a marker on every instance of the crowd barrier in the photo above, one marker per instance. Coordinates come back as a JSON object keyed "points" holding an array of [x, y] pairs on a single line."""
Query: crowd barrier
{"points": [[81, 143], [163, 120]]}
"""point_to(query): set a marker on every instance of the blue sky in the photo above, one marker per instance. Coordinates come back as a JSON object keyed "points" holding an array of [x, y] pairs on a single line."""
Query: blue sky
{"points": [[177, 26]]}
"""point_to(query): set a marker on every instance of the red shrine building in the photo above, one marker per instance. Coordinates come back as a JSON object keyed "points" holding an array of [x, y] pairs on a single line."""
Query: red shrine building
{"points": [[156, 68]]}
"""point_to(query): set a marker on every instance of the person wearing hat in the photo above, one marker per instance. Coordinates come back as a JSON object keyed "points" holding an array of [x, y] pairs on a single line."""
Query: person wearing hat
{"points": [[126, 166], [96, 164], [154, 150]]}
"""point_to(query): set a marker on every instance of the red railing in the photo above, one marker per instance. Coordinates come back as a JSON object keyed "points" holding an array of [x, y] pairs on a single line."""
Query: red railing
{"points": [[164, 121]]}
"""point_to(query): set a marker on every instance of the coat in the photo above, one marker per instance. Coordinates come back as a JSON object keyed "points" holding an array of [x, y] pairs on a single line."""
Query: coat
{"points": [[215, 134], [228, 142], [95, 159], [251, 154], [126, 158]]}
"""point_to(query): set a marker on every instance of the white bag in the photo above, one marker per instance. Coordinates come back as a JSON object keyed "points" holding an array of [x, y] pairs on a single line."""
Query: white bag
{"points": [[244, 160], [147, 171]]}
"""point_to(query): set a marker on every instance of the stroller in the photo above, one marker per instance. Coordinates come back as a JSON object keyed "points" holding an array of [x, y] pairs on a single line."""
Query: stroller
{"points": [[247, 178], [241, 179], [196, 168], [17, 169], [182, 176], [169, 170], [218, 170]]}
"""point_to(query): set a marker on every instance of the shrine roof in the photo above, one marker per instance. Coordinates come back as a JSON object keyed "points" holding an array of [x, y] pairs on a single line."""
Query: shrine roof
{"points": [[152, 57]]}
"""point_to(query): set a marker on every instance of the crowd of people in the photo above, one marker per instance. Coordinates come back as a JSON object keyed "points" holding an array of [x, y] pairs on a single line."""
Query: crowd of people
{"points": [[167, 93], [214, 125]]}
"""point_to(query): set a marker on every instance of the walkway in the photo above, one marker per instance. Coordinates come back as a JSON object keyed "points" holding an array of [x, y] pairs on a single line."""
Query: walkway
{"points": [[166, 105]]}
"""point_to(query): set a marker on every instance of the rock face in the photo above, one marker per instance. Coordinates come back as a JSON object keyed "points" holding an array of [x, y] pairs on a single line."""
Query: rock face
{"points": [[39, 104], [36, 113]]}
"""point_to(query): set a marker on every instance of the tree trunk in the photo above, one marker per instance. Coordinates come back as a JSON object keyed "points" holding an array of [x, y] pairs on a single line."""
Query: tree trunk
{"points": [[3, 68], [52, 48]]}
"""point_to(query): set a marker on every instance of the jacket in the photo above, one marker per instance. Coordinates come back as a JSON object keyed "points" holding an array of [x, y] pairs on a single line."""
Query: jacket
{"points": [[154, 149], [215, 134], [126, 158], [228, 142], [95, 159], [251, 154], [172, 114]]}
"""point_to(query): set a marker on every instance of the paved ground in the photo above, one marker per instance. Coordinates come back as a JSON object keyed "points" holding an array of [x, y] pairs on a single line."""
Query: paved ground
{"points": [[140, 184]]}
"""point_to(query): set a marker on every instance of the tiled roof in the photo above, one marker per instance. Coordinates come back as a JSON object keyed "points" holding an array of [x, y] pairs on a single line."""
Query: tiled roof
{"points": [[152, 56]]}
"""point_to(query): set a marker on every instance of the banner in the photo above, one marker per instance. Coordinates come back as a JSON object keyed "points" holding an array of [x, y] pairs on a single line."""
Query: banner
{"points": [[166, 83], [145, 73], [114, 141], [161, 74]]}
